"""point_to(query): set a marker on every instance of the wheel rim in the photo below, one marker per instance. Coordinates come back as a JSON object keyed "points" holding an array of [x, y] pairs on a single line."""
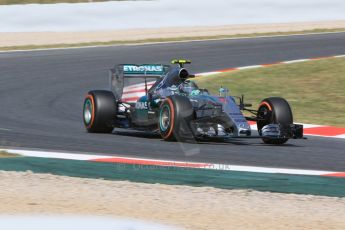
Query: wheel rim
{"points": [[263, 110], [88, 111], [164, 118]]}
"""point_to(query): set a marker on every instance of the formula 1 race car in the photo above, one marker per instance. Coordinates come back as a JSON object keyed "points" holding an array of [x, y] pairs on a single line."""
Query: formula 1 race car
{"points": [[178, 109]]}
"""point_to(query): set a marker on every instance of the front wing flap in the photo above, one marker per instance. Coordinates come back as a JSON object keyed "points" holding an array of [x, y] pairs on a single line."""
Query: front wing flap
{"points": [[294, 131]]}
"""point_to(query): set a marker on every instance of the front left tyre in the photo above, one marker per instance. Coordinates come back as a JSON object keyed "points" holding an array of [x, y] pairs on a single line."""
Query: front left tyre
{"points": [[99, 111], [175, 116]]}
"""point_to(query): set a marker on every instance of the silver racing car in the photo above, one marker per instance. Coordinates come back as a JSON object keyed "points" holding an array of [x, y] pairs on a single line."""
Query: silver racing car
{"points": [[178, 109]]}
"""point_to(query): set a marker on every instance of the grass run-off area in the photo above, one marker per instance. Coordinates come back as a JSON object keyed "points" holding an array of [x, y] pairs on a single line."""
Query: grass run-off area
{"points": [[12, 2], [314, 89]]}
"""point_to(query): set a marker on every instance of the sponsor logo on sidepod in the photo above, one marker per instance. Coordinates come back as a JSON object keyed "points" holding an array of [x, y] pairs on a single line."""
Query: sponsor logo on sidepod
{"points": [[141, 105]]}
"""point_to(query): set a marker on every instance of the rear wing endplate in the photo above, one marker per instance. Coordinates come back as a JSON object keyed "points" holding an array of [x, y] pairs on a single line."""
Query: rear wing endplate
{"points": [[126, 71]]}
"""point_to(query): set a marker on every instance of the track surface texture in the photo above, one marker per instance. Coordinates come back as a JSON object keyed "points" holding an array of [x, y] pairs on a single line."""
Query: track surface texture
{"points": [[41, 96]]}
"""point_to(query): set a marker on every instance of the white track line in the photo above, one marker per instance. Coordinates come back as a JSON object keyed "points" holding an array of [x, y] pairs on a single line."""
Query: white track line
{"points": [[249, 67], [241, 168], [295, 61], [56, 155], [207, 73], [340, 136]]}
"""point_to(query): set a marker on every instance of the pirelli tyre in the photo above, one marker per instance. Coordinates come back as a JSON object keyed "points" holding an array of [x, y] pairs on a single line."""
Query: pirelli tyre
{"points": [[175, 116], [99, 111], [274, 110]]}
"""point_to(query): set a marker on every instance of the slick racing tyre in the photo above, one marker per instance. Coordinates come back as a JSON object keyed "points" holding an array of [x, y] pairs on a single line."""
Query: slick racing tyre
{"points": [[99, 111], [175, 116], [274, 110]]}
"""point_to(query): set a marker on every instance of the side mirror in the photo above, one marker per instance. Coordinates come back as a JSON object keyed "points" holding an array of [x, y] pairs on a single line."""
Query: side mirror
{"points": [[223, 92]]}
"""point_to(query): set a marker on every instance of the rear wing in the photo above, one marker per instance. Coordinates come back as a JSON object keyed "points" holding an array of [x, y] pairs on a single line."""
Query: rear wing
{"points": [[125, 72], [148, 70]]}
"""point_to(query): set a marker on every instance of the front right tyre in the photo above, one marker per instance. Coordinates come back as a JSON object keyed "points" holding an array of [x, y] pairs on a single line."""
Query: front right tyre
{"points": [[99, 111]]}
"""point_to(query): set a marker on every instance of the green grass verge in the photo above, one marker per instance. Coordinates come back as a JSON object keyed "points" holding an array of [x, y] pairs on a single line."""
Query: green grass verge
{"points": [[13, 2], [157, 40], [315, 89]]}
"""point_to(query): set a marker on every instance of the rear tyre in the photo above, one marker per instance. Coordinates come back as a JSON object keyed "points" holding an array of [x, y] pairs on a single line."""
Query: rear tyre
{"points": [[175, 116], [274, 110], [99, 111]]}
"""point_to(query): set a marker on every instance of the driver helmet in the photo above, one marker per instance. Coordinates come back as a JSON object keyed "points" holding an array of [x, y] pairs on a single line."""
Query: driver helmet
{"points": [[188, 87]]}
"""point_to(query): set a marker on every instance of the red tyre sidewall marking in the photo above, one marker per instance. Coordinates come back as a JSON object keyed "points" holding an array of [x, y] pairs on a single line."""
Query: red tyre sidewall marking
{"points": [[93, 109], [172, 121], [264, 103]]}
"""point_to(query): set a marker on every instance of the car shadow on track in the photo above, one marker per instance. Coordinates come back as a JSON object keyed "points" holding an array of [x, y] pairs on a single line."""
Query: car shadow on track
{"points": [[209, 141], [135, 133]]}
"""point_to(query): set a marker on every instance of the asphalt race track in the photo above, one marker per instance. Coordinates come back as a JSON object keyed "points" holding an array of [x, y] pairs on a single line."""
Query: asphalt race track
{"points": [[41, 96]]}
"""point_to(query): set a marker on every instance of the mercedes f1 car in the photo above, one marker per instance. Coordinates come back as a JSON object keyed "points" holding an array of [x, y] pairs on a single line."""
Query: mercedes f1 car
{"points": [[174, 106]]}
